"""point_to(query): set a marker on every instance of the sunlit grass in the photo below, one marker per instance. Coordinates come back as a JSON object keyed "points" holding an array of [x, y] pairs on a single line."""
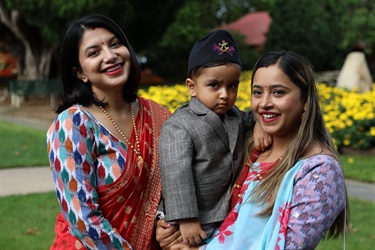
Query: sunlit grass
{"points": [[22, 146]]}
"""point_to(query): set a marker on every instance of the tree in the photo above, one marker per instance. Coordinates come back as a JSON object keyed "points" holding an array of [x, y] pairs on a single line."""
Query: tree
{"points": [[32, 29], [357, 23], [32, 33], [323, 30], [193, 20], [302, 26]]}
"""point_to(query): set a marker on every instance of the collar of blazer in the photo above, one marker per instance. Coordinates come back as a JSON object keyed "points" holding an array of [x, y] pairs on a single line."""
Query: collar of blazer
{"points": [[198, 107], [227, 130]]}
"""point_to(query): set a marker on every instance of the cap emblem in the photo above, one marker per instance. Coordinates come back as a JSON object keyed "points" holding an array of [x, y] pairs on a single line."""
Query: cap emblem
{"points": [[224, 47]]}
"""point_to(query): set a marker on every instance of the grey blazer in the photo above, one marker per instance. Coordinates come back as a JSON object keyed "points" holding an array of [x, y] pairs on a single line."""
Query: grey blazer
{"points": [[199, 157]]}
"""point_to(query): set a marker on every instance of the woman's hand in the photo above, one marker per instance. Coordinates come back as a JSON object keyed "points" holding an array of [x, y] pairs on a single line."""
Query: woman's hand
{"points": [[167, 235], [261, 139], [182, 246]]}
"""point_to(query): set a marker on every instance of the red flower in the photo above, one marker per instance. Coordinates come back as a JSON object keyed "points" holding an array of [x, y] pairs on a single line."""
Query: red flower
{"points": [[223, 234], [277, 247], [229, 221], [223, 230], [284, 218]]}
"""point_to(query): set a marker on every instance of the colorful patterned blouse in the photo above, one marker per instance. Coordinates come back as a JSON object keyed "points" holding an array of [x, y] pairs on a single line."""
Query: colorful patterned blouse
{"points": [[87, 161]]}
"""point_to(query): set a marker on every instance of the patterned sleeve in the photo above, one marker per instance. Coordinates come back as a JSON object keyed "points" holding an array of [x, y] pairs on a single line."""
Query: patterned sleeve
{"points": [[318, 198], [71, 148]]}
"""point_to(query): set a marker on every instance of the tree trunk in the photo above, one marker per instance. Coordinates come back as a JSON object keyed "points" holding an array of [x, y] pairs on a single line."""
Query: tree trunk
{"points": [[33, 53]]}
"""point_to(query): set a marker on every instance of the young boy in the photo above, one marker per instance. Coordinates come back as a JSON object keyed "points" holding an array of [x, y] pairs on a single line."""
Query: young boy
{"points": [[201, 144]]}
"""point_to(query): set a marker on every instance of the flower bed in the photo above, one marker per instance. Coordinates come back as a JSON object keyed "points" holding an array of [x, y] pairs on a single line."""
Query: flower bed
{"points": [[350, 116]]}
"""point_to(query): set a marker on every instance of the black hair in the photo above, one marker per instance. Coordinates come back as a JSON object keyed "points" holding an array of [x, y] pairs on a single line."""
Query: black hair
{"points": [[74, 90]]}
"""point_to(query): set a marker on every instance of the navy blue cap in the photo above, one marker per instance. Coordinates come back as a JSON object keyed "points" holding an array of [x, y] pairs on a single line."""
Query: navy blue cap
{"points": [[218, 46]]}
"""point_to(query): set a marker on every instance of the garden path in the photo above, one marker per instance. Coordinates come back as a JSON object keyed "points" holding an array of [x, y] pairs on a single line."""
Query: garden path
{"points": [[39, 179]]}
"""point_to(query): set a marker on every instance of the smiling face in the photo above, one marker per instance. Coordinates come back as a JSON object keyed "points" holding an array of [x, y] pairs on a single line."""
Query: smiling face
{"points": [[276, 102], [216, 87], [104, 61]]}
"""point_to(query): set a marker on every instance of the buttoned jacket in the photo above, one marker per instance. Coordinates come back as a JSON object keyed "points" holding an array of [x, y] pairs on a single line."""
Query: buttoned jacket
{"points": [[200, 154]]}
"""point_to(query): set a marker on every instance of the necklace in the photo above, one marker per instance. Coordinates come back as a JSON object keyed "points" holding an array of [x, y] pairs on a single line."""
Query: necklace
{"points": [[137, 148]]}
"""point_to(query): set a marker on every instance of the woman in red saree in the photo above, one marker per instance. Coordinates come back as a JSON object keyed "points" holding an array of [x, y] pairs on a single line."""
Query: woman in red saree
{"points": [[103, 144]]}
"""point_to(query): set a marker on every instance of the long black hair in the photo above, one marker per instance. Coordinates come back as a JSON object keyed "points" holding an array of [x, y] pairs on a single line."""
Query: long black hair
{"points": [[74, 90]]}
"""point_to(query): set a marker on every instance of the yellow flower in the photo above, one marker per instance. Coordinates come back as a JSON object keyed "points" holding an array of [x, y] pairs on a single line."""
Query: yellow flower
{"points": [[346, 142], [342, 109], [349, 123], [343, 117], [372, 131], [350, 160]]}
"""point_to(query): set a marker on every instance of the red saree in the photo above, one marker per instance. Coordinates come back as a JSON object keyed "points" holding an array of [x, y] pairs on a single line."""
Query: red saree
{"points": [[130, 203]]}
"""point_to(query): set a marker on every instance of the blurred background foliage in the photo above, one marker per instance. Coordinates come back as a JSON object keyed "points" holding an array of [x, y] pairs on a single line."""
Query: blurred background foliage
{"points": [[162, 32]]}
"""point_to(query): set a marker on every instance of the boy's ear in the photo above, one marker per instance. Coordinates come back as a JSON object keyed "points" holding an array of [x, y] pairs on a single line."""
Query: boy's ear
{"points": [[191, 87], [79, 74]]}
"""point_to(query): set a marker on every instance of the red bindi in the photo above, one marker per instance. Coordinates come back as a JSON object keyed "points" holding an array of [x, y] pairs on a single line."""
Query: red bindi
{"points": [[93, 28]]}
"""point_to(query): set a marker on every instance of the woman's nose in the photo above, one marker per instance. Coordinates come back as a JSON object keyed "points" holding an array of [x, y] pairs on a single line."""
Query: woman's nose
{"points": [[110, 56], [266, 101]]}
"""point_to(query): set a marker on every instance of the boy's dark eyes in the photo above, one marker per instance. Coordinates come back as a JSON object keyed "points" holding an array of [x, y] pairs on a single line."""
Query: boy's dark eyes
{"points": [[233, 86], [215, 85]]}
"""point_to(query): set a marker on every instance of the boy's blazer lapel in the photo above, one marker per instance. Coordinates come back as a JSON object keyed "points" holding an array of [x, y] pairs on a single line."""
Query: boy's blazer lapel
{"points": [[233, 130], [213, 119]]}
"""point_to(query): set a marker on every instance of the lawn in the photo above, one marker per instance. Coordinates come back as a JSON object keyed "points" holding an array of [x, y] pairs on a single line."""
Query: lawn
{"points": [[24, 146], [27, 222], [362, 230], [359, 167]]}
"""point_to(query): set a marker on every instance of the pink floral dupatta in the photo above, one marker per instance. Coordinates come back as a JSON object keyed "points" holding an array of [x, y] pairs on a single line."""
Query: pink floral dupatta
{"points": [[243, 229]]}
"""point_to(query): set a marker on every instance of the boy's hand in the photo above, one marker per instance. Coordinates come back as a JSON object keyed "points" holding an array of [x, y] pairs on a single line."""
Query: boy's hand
{"points": [[261, 139], [191, 231]]}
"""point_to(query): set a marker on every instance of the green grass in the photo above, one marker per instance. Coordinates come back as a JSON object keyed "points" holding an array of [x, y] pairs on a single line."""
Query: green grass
{"points": [[22, 146], [359, 167], [362, 230], [27, 222]]}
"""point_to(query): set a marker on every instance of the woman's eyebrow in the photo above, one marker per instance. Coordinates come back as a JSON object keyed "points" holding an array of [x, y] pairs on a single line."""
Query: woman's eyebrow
{"points": [[111, 39], [271, 86]]}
